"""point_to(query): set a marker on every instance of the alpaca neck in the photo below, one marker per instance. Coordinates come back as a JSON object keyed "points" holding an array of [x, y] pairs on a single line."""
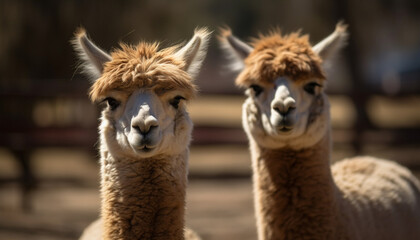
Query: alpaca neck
{"points": [[143, 199], [295, 192]]}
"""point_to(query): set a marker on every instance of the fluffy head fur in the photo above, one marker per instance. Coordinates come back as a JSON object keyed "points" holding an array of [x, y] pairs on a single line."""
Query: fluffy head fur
{"points": [[275, 55], [142, 66]]}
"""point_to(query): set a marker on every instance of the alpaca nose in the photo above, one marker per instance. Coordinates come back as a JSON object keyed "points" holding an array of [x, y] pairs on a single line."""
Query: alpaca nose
{"points": [[284, 107], [144, 126]]}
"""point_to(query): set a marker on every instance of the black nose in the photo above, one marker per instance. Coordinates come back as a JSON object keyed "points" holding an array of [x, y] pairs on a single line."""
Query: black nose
{"points": [[144, 131], [284, 111]]}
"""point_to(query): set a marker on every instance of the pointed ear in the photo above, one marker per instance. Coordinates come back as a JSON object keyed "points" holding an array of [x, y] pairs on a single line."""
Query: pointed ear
{"points": [[330, 46], [236, 49], [194, 52], [92, 56]]}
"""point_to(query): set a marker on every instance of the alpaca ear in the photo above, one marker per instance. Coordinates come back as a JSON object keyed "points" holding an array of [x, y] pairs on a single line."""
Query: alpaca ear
{"points": [[330, 46], [92, 56], [194, 52], [236, 49]]}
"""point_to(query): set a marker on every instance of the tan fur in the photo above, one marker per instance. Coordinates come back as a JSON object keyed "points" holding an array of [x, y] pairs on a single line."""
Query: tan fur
{"points": [[298, 195], [144, 199], [275, 55], [143, 190], [143, 66], [293, 193]]}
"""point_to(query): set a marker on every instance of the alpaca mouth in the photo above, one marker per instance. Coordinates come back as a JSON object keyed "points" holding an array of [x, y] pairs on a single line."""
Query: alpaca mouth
{"points": [[284, 126], [143, 145], [146, 149], [284, 129]]}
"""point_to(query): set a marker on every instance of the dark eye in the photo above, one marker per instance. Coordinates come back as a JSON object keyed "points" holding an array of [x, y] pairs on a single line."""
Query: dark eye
{"points": [[310, 87], [175, 101], [112, 103], [257, 89]]}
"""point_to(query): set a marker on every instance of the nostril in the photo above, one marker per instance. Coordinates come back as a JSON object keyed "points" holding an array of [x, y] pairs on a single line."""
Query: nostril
{"points": [[284, 111], [290, 110], [137, 128], [152, 127], [145, 130]]}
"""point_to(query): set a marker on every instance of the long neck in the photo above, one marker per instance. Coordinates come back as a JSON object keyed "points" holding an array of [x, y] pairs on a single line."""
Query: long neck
{"points": [[143, 199], [294, 192]]}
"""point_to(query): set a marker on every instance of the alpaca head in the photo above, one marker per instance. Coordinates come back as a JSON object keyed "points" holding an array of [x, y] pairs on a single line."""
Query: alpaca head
{"points": [[145, 90], [284, 81]]}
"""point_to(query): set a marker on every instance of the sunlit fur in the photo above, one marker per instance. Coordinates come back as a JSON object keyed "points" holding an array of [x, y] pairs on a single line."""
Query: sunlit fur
{"points": [[298, 195], [142, 66], [276, 55], [144, 138]]}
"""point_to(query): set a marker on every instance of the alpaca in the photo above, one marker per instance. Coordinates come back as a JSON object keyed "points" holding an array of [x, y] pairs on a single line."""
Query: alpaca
{"points": [[297, 193], [145, 132]]}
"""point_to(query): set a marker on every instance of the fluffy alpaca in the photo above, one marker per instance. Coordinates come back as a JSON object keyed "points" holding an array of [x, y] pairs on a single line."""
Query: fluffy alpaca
{"points": [[298, 195], [144, 135]]}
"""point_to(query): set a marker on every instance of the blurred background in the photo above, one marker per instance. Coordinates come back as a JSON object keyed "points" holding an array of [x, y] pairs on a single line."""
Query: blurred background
{"points": [[48, 159]]}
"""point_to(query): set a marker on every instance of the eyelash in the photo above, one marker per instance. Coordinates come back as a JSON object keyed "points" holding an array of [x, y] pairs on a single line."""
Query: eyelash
{"points": [[112, 103], [175, 101], [257, 89], [310, 87]]}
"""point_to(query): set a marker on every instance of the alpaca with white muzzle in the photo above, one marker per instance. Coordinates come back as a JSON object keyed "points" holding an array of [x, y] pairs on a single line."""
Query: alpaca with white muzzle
{"points": [[297, 193], [145, 132]]}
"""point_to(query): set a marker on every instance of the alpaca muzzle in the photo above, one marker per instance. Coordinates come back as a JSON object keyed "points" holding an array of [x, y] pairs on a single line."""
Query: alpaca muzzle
{"points": [[283, 109], [144, 132]]}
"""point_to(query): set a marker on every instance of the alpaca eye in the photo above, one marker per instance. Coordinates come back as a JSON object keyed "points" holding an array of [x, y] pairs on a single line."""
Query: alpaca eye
{"points": [[175, 101], [112, 103], [310, 87], [257, 89]]}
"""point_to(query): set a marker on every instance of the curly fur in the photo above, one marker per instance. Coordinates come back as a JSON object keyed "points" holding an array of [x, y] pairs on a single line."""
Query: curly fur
{"points": [[142, 66], [276, 55], [144, 199]]}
